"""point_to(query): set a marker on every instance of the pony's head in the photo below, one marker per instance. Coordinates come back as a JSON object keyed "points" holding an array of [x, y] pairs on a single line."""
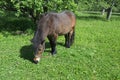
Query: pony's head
{"points": [[38, 52], [39, 46]]}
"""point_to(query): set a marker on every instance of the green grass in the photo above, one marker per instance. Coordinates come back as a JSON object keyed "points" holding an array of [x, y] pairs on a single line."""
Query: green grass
{"points": [[95, 54]]}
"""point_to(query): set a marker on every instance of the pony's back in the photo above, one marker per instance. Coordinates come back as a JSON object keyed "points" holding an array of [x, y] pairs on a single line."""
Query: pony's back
{"points": [[60, 23]]}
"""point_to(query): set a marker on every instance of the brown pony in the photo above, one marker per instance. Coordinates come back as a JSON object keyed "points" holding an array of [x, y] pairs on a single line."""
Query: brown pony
{"points": [[51, 25]]}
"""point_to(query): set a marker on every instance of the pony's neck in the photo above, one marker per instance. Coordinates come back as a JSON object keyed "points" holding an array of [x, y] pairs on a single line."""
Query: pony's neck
{"points": [[41, 35]]}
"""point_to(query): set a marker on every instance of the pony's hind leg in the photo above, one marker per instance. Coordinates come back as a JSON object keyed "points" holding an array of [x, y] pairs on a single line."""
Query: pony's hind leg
{"points": [[52, 41], [72, 36], [67, 40]]}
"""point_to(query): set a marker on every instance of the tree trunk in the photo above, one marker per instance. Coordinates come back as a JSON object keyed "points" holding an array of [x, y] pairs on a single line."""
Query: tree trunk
{"points": [[109, 10], [109, 13]]}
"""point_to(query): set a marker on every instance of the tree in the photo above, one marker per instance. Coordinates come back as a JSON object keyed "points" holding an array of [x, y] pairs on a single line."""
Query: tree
{"points": [[109, 10], [33, 8], [111, 5]]}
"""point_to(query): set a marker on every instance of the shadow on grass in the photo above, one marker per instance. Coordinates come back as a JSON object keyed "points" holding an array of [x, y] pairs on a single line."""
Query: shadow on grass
{"points": [[12, 24], [87, 18], [26, 52]]}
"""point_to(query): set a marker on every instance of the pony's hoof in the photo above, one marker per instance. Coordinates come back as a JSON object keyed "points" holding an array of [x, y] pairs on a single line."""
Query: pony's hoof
{"points": [[53, 53], [67, 46], [36, 62]]}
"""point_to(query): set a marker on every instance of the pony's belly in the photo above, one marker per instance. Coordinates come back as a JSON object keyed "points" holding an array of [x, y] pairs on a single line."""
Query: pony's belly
{"points": [[64, 32]]}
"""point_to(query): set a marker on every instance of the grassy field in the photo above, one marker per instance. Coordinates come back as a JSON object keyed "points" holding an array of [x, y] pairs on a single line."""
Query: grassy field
{"points": [[95, 54]]}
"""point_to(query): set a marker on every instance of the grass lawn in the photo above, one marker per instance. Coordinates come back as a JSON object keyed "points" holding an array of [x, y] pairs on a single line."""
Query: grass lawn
{"points": [[95, 55]]}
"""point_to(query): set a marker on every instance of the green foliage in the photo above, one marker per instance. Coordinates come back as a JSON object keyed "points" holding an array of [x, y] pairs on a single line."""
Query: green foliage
{"points": [[59, 5], [37, 6], [33, 8]]}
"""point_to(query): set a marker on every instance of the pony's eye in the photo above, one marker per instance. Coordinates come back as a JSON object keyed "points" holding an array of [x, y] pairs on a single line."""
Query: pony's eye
{"points": [[39, 49]]}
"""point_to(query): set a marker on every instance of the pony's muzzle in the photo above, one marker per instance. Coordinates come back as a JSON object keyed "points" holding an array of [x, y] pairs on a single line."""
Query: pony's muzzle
{"points": [[36, 60]]}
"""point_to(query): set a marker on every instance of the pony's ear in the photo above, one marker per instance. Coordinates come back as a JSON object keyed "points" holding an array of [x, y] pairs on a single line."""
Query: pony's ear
{"points": [[42, 41], [39, 17]]}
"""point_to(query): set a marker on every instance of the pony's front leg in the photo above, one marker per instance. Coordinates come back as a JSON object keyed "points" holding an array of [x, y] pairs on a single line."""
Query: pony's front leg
{"points": [[52, 40]]}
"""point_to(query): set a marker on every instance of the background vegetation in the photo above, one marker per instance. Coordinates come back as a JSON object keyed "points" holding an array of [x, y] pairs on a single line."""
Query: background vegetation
{"points": [[98, 5], [33, 8]]}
